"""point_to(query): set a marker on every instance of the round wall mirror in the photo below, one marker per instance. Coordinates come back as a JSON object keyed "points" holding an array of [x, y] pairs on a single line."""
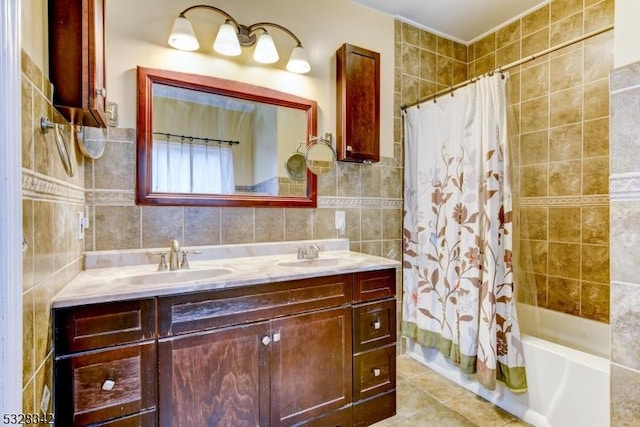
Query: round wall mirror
{"points": [[295, 165], [320, 156]]}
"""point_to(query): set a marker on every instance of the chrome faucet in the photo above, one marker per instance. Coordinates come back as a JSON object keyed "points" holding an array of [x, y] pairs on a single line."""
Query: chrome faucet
{"points": [[174, 254], [312, 251]]}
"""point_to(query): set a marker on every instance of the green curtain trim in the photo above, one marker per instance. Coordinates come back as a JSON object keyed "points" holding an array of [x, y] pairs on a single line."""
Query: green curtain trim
{"points": [[514, 378]]}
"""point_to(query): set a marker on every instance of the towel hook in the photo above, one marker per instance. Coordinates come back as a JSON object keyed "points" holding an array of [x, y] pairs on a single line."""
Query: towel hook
{"points": [[64, 150]]}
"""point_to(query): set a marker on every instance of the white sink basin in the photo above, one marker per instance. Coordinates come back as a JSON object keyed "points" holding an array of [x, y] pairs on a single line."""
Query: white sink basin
{"points": [[320, 262], [175, 276]]}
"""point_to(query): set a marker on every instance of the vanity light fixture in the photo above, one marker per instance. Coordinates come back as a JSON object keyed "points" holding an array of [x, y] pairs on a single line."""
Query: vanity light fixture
{"points": [[232, 36]]}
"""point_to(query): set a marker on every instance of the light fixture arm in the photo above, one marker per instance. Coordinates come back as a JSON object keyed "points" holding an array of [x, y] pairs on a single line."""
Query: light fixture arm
{"points": [[215, 9], [256, 26]]}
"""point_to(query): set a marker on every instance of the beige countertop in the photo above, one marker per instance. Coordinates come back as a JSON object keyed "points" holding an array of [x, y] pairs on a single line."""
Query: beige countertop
{"points": [[122, 275]]}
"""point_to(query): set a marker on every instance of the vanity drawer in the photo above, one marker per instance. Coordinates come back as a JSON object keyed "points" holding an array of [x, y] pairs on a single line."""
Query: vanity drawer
{"points": [[341, 418], [146, 419], [106, 384], [374, 372], [374, 325], [103, 325], [375, 409], [373, 285], [227, 307]]}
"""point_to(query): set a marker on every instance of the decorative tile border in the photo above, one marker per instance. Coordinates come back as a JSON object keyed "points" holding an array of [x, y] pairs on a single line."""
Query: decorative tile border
{"points": [[359, 202], [110, 197], [41, 187], [625, 186], [564, 201], [127, 198]]}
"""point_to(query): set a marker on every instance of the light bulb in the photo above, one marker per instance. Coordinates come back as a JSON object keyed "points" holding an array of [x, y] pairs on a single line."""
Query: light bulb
{"points": [[227, 42], [298, 62], [265, 51], [182, 35]]}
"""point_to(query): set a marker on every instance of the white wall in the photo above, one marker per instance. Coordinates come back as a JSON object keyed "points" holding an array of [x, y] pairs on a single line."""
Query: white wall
{"points": [[627, 32], [33, 32], [137, 33]]}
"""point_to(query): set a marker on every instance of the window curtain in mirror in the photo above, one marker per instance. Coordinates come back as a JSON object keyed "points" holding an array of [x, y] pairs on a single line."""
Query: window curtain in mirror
{"points": [[192, 168], [457, 236]]}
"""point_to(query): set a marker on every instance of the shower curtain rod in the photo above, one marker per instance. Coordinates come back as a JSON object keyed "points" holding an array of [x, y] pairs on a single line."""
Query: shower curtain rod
{"points": [[509, 66]]}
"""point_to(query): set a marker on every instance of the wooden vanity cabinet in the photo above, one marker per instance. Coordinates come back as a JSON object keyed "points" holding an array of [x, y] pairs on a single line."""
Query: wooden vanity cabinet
{"points": [[358, 104], [313, 352], [105, 364], [274, 355], [77, 60]]}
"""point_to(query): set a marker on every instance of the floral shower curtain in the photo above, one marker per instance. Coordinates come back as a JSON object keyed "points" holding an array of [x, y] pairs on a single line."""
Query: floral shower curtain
{"points": [[458, 273]]}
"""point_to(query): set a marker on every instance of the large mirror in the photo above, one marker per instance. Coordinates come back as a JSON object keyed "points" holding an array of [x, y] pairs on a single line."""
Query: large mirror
{"points": [[207, 141]]}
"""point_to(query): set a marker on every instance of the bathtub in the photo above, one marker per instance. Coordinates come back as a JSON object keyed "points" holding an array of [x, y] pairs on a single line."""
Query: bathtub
{"points": [[567, 387]]}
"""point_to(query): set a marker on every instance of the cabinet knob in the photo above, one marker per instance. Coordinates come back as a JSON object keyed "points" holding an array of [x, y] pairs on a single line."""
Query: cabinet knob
{"points": [[376, 372], [349, 148], [101, 92], [376, 325], [276, 337], [108, 385], [266, 340]]}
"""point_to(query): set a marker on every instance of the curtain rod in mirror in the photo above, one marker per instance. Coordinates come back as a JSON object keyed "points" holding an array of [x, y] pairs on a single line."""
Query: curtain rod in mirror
{"points": [[232, 36], [190, 139]]}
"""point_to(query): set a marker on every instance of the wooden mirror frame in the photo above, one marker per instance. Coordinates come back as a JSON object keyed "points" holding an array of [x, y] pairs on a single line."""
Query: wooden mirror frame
{"points": [[144, 139]]}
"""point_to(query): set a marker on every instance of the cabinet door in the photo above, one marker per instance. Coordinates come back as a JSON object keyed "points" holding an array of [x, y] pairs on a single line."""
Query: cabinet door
{"points": [[311, 365], [358, 99], [218, 378], [76, 65]]}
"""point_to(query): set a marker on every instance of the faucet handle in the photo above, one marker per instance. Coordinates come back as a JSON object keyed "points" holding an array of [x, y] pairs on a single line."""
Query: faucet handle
{"points": [[302, 252], [184, 264], [162, 265]]}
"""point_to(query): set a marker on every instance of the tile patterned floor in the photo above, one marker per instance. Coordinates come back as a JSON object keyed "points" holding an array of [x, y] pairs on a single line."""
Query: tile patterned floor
{"points": [[424, 398]]}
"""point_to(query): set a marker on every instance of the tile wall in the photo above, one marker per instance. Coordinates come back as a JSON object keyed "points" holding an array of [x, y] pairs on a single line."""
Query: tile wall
{"points": [[561, 116], [370, 195], [625, 241], [53, 254], [561, 110]]}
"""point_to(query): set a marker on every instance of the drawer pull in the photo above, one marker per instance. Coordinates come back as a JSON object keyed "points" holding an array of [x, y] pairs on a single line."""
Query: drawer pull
{"points": [[108, 385], [377, 324], [266, 340], [376, 372]]}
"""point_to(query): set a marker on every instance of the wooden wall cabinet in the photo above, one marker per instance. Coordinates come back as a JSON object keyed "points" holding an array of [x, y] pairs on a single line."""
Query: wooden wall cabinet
{"points": [[313, 352], [358, 104], [77, 60]]}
